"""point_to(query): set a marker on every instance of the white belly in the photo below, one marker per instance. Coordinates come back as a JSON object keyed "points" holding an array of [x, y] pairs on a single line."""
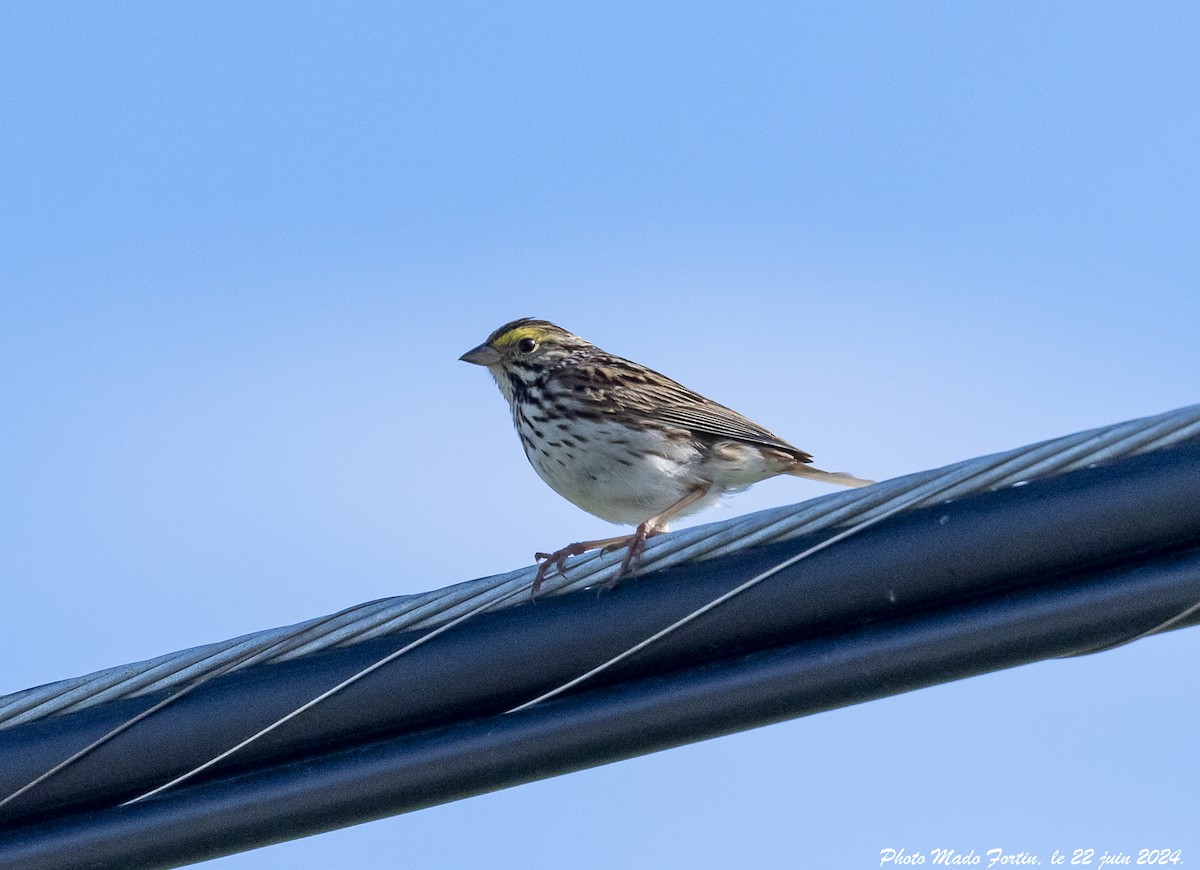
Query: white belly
{"points": [[623, 483]]}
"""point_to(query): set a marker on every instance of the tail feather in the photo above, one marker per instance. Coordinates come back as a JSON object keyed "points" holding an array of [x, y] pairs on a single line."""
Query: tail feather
{"points": [[841, 478]]}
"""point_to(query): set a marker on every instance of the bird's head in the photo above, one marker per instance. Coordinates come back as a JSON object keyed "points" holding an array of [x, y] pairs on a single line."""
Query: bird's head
{"points": [[526, 348]]}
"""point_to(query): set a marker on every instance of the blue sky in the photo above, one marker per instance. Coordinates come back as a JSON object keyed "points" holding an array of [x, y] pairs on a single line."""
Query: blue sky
{"points": [[242, 246]]}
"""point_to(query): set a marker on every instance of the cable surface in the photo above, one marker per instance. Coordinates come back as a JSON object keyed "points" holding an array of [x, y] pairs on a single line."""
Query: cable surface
{"points": [[436, 608]]}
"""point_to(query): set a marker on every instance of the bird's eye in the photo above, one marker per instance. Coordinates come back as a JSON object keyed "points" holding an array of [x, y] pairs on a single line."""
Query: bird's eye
{"points": [[527, 345]]}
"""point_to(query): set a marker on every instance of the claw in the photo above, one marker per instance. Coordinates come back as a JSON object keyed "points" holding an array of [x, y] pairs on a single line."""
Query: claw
{"points": [[636, 543], [556, 561]]}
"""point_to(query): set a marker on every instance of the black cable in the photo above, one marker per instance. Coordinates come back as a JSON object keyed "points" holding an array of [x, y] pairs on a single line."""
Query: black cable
{"points": [[1046, 569]]}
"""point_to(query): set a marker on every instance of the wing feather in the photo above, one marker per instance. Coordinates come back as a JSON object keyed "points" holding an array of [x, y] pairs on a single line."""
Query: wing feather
{"points": [[661, 398]]}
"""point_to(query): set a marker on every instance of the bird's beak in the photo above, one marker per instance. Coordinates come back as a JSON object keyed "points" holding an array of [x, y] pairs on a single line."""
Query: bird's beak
{"points": [[482, 356]]}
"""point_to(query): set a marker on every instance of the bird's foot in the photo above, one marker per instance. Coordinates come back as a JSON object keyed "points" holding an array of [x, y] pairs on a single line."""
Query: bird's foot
{"points": [[557, 561], [550, 563]]}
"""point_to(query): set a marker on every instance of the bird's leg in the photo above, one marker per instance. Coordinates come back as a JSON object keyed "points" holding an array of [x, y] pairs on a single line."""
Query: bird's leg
{"points": [[636, 543], [654, 526], [558, 559]]}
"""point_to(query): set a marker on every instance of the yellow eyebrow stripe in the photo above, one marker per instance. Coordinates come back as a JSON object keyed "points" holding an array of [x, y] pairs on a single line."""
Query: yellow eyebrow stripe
{"points": [[520, 332]]}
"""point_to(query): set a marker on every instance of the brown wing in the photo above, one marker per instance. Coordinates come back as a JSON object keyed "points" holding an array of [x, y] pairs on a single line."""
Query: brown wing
{"points": [[661, 398]]}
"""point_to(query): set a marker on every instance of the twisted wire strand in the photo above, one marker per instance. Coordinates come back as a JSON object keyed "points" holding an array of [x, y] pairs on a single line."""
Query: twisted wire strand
{"points": [[436, 608]]}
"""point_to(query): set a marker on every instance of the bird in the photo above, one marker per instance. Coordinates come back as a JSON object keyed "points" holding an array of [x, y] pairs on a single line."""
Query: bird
{"points": [[623, 442]]}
